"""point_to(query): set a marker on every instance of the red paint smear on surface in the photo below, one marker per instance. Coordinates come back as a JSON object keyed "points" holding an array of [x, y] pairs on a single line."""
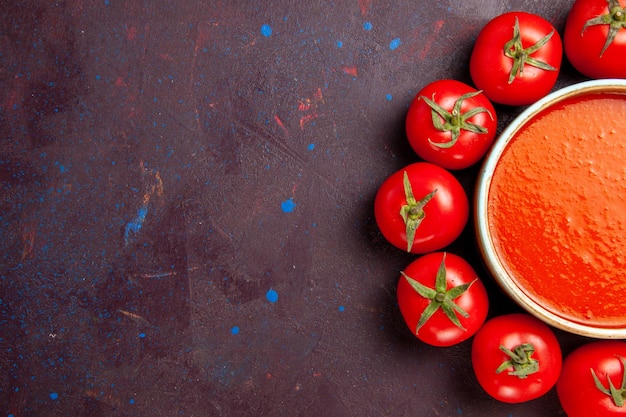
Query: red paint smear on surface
{"points": [[364, 5], [418, 49], [294, 189], [282, 125], [120, 82], [307, 119], [15, 95], [350, 71], [204, 33], [429, 41], [318, 95], [131, 33], [12, 99], [28, 240], [309, 105]]}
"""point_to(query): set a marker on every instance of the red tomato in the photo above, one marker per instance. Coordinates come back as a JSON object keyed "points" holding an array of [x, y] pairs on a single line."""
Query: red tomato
{"points": [[516, 58], [421, 208], [593, 381], [451, 124], [594, 38], [442, 299], [516, 358]]}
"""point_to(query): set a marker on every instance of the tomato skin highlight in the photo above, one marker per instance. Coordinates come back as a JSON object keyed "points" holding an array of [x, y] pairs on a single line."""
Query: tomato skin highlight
{"points": [[576, 388], [509, 331], [583, 47], [424, 137], [446, 214], [438, 330], [490, 68]]}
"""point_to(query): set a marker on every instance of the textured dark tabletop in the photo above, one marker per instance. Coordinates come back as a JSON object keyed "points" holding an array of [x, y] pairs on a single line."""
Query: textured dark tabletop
{"points": [[187, 207]]}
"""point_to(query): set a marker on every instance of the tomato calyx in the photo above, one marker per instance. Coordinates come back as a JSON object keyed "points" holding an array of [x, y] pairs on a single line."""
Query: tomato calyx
{"points": [[520, 359], [440, 297], [522, 56], [455, 121], [617, 394], [615, 18], [413, 211]]}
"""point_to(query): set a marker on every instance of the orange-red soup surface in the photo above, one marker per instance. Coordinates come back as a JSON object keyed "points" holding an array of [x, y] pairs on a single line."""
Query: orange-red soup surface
{"points": [[557, 209]]}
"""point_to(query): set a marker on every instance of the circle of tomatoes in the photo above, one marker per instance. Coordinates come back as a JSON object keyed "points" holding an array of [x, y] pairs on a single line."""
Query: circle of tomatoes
{"points": [[515, 61], [442, 299], [516, 58], [593, 380], [516, 358], [451, 124], [595, 38], [421, 208]]}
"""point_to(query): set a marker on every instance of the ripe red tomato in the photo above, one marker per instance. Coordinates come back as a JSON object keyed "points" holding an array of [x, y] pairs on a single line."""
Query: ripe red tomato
{"points": [[421, 208], [594, 38], [593, 380], [516, 358], [516, 58], [451, 124], [442, 299]]}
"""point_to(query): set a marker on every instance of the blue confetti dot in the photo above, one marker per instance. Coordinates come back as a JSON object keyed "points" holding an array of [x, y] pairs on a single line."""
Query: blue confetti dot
{"points": [[342, 308], [266, 30], [389, 97], [271, 295], [311, 146], [367, 26], [288, 206], [339, 44], [132, 401], [234, 330], [54, 396], [142, 335], [393, 45]]}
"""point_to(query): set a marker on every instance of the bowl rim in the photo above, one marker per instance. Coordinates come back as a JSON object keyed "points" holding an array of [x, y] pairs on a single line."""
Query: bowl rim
{"points": [[481, 198]]}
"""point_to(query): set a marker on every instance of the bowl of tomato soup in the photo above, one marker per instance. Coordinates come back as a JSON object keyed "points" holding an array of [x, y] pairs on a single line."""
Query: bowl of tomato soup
{"points": [[550, 209]]}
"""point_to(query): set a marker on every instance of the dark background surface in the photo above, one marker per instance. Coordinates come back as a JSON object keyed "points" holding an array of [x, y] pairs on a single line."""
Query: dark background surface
{"points": [[187, 207]]}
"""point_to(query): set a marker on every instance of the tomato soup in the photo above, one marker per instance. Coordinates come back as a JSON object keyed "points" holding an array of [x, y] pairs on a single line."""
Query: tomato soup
{"points": [[556, 210]]}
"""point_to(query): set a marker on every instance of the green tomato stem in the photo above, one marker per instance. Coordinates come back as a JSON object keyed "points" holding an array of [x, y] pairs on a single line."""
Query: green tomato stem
{"points": [[615, 18], [455, 121], [522, 56], [520, 359], [440, 297], [617, 394], [413, 211]]}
